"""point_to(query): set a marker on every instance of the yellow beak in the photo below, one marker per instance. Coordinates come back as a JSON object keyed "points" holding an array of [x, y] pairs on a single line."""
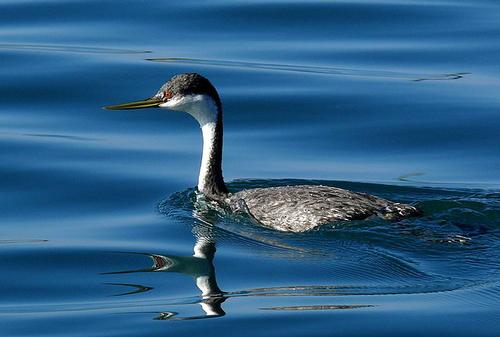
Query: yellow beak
{"points": [[146, 103]]}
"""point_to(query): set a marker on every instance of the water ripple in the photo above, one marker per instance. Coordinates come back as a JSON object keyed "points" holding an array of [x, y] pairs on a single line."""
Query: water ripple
{"points": [[314, 69], [69, 49]]}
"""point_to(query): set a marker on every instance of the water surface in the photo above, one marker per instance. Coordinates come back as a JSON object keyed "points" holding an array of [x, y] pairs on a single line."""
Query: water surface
{"points": [[99, 219]]}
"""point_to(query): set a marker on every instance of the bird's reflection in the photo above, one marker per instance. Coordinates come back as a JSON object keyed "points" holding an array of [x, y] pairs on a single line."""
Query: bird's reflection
{"points": [[200, 266]]}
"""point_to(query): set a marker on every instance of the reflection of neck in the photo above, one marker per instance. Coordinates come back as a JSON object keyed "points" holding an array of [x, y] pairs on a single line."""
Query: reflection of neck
{"points": [[207, 283], [204, 248]]}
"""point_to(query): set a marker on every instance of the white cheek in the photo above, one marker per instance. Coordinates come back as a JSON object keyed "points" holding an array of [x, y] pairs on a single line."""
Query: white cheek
{"points": [[172, 103], [201, 107]]}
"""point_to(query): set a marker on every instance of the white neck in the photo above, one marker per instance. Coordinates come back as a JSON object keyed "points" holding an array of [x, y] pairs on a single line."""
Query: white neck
{"points": [[208, 131], [205, 111]]}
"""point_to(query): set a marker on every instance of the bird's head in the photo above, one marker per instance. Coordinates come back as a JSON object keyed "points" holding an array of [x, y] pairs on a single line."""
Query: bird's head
{"points": [[190, 92]]}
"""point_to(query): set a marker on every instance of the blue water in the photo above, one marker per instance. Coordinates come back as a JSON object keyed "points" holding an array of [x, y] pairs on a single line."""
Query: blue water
{"points": [[398, 98]]}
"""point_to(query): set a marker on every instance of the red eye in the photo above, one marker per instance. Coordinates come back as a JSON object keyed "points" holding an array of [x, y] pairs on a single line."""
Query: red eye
{"points": [[167, 95]]}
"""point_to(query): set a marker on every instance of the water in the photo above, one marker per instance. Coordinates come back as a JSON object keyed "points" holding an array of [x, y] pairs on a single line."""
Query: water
{"points": [[395, 98]]}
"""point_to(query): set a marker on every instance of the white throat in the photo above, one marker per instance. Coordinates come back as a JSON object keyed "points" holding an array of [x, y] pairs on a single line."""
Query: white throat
{"points": [[204, 110]]}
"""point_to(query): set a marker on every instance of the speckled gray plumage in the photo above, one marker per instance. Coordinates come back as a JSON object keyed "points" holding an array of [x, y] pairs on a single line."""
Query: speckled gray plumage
{"points": [[302, 208]]}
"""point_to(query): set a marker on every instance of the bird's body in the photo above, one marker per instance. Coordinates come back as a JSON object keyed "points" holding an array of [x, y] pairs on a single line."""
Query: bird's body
{"points": [[286, 208], [304, 207]]}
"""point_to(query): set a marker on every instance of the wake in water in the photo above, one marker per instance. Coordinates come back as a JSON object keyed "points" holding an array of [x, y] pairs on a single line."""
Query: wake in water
{"points": [[451, 248]]}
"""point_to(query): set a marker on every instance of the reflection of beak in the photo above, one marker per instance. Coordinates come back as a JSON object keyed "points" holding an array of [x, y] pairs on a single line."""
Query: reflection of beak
{"points": [[146, 103]]}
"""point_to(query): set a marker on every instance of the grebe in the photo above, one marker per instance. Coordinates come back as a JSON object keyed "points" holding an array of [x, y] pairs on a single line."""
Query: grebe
{"points": [[287, 208]]}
